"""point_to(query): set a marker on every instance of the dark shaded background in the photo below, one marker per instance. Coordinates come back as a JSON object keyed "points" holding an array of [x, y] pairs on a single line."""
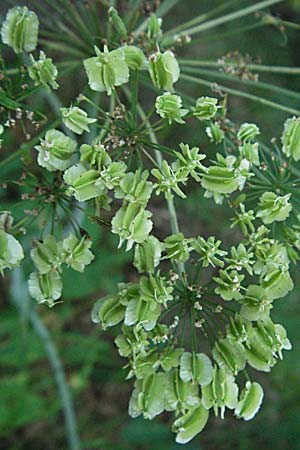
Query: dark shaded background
{"points": [[30, 408]]}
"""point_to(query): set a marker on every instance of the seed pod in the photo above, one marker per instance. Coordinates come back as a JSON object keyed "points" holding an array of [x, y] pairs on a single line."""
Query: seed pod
{"points": [[76, 252], [108, 311], [147, 255], [196, 367], [168, 106], [106, 70], [11, 252], [273, 207], [221, 393], [46, 255], [190, 424], [291, 138], [247, 132], [132, 223], [76, 119], [164, 70], [43, 71], [20, 29], [84, 184], [134, 57], [206, 108], [117, 22], [215, 133], [229, 355], [45, 288], [154, 30], [55, 151], [250, 401]]}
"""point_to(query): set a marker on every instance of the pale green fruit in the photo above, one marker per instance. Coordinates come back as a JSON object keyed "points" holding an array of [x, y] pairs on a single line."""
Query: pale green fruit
{"points": [[76, 119], [20, 29]]}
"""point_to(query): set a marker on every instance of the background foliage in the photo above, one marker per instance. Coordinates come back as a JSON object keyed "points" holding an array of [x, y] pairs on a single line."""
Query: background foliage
{"points": [[30, 407]]}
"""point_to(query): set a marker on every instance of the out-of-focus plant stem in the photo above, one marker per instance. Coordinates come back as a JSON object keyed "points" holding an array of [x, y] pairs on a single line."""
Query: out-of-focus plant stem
{"points": [[22, 301]]}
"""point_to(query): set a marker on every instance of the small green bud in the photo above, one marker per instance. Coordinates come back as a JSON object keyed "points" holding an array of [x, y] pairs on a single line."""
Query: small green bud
{"points": [[107, 70], [117, 22], [20, 29], [291, 138], [11, 252], [168, 106], [250, 401], [164, 70], [247, 132], [215, 133], [43, 71], [154, 30], [206, 108], [134, 57], [76, 119], [45, 288], [56, 151]]}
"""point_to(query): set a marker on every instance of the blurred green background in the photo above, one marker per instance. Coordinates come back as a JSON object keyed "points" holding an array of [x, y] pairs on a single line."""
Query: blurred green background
{"points": [[31, 415]]}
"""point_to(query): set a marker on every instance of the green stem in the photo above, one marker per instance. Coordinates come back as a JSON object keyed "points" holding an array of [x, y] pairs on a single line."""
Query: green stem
{"points": [[241, 94], [18, 291], [235, 79], [230, 17], [202, 17], [256, 67]]}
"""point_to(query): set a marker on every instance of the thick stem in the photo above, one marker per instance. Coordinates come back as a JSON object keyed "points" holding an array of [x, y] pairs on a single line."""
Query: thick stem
{"points": [[18, 291]]}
